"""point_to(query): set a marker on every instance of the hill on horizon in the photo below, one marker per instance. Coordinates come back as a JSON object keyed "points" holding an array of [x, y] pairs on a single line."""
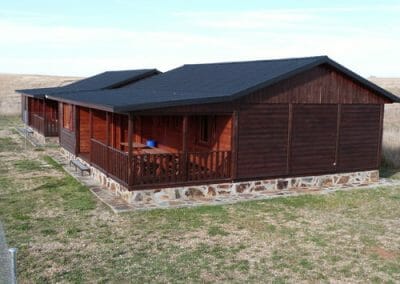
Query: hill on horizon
{"points": [[10, 102]]}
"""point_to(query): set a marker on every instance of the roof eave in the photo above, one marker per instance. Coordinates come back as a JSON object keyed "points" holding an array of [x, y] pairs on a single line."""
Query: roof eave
{"points": [[149, 106], [83, 104]]}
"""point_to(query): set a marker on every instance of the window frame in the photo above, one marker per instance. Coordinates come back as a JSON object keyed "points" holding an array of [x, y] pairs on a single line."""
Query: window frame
{"points": [[70, 125], [206, 126]]}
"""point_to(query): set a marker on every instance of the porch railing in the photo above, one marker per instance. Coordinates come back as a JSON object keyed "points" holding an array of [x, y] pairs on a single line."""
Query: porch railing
{"points": [[37, 123], [161, 169], [175, 168], [111, 160], [50, 128]]}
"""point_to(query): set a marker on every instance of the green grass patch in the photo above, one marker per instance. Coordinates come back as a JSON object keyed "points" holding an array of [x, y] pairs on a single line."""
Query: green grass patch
{"points": [[7, 144], [28, 165], [217, 231], [64, 235]]}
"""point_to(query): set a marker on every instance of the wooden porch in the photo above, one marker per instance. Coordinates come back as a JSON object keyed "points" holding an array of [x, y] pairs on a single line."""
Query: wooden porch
{"points": [[42, 116], [116, 145]]}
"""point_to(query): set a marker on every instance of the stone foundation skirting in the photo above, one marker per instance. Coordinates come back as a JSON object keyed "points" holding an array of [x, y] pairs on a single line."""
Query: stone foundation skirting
{"points": [[44, 140], [183, 195]]}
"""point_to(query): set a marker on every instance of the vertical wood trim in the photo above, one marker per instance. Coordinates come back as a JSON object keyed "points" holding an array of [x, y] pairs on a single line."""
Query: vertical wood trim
{"points": [[90, 134], [184, 146], [381, 118], [45, 132], [108, 141], [289, 139], [130, 133], [60, 119], [235, 144], [337, 146], [75, 115]]}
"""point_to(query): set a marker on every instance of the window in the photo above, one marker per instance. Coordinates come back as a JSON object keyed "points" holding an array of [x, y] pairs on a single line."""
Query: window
{"points": [[206, 128], [67, 116]]}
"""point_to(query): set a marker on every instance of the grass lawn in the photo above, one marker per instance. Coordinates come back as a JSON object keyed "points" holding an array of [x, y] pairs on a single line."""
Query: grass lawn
{"points": [[65, 235]]}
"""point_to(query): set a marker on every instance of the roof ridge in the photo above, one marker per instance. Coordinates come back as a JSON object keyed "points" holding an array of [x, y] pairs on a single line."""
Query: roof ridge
{"points": [[126, 70], [261, 60]]}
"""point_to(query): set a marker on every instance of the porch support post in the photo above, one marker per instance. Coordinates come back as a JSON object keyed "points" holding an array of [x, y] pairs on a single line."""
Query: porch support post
{"points": [[234, 143], [44, 118], [90, 134], [130, 133], [185, 163], [108, 140], [76, 118]]}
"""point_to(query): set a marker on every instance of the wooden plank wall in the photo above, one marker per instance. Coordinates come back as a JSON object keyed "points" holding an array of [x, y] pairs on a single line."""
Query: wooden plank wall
{"points": [[221, 141], [359, 137], [51, 110], [317, 122], [263, 136], [313, 145], [99, 125], [67, 137], [84, 131], [320, 85]]}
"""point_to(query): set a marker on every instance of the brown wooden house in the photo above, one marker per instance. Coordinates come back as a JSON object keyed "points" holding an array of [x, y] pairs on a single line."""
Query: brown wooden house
{"points": [[228, 122]]}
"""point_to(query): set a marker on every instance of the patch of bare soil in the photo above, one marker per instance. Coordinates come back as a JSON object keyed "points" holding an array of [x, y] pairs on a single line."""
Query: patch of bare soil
{"points": [[383, 253]]}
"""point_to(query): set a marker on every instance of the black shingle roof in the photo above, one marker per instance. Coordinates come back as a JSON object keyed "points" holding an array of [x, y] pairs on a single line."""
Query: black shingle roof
{"points": [[206, 83], [105, 80]]}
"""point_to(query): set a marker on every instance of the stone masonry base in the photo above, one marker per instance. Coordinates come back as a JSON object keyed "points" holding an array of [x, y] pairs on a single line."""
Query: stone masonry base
{"points": [[41, 139], [183, 195]]}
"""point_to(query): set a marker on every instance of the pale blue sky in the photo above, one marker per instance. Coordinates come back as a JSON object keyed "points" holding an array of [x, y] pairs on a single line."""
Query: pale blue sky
{"points": [[87, 37]]}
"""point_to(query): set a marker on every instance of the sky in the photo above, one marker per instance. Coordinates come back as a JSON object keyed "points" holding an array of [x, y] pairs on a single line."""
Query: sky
{"points": [[82, 38]]}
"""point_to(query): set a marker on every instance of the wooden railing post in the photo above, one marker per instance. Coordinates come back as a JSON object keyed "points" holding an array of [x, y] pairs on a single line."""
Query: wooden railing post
{"points": [[90, 134], [107, 141], [185, 158], [45, 130], [234, 144], [130, 133]]}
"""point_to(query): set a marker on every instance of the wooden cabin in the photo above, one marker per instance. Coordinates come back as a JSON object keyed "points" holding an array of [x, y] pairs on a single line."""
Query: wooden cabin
{"points": [[41, 113], [228, 122]]}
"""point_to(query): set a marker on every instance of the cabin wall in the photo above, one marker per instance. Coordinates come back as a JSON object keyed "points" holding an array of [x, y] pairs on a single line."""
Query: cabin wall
{"points": [[67, 137], [317, 122], [167, 131], [84, 130], [99, 125], [320, 85], [51, 110], [221, 138], [162, 129]]}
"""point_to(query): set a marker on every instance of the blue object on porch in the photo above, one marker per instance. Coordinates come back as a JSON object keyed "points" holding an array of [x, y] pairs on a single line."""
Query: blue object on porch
{"points": [[151, 143]]}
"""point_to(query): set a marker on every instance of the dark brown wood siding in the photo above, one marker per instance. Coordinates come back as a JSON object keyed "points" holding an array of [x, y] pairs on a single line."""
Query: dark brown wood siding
{"points": [[320, 85], [359, 138], [316, 122], [67, 137], [313, 145], [263, 136], [84, 132]]}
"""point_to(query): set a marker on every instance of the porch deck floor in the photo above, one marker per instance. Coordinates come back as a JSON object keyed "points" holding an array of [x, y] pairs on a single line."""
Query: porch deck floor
{"points": [[118, 205]]}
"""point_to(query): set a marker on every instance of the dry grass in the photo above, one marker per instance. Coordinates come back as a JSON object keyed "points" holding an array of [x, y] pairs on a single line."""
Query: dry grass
{"points": [[65, 235], [10, 102]]}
